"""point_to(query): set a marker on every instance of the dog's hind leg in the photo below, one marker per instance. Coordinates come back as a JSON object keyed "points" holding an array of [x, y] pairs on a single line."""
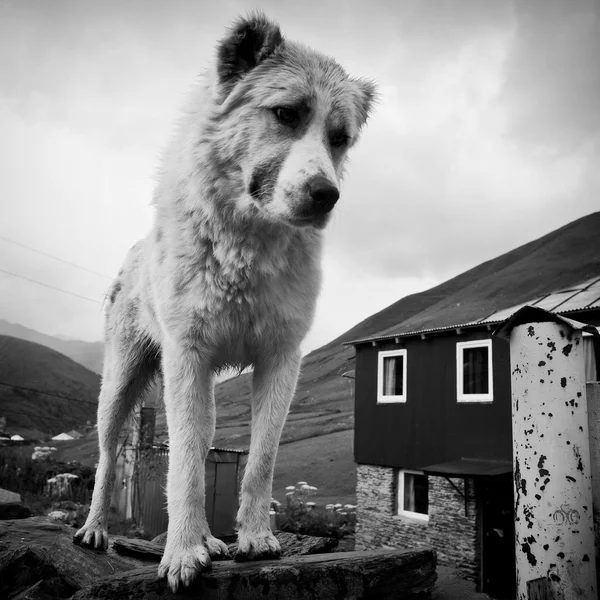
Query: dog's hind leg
{"points": [[191, 419], [129, 366], [274, 384]]}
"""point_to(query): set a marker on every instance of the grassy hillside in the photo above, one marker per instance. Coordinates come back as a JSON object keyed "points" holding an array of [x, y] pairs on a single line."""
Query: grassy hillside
{"points": [[89, 354], [29, 365]]}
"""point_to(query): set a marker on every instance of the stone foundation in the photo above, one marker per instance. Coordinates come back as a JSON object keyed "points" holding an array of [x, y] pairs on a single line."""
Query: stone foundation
{"points": [[449, 531]]}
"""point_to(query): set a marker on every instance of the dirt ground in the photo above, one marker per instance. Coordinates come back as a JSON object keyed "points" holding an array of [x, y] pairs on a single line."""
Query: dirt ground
{"points": [[450, 586]]}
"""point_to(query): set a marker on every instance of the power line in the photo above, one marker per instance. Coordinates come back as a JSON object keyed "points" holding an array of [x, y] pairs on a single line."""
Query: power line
{"points": [[51, 286], [32, 415], [62, 260], [62, 397]]}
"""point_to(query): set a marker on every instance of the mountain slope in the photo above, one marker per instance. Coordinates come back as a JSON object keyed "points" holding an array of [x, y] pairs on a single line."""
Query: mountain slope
{"points": [[89, 354], [559, 259], [323, 400], [29, 365]]}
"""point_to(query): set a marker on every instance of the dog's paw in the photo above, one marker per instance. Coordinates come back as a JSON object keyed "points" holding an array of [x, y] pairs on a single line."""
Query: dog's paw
{"points": [[261, 546], [182, 565], [217, 549], [94, 537]]}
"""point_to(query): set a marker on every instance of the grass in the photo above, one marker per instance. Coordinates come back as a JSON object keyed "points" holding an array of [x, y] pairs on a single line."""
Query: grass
{"points": [[301, 514], [326, 461]]}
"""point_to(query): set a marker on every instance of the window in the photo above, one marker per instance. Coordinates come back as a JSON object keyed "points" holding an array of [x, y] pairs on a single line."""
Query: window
{"points": [[413, 495], [474, 382], [391, 376]]}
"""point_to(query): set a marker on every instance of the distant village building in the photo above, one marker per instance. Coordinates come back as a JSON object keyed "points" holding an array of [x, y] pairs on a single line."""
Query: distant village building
{"points": [[62, 437], [17, 438], [75, 434], [433, 436]]}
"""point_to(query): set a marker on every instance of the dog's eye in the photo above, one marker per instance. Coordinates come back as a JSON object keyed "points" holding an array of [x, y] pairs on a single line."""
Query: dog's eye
{"points": [[287, 116], [337, 140]]}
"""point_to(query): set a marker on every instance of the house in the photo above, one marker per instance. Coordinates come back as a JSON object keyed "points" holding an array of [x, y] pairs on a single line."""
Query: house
{"points": [[75, 434], [433, 435]]}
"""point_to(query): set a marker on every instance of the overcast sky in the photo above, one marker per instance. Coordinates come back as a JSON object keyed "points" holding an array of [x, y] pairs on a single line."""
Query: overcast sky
{"points": [[486, 137]]}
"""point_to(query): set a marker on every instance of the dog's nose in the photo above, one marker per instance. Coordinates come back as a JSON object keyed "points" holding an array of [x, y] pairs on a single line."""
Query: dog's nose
{"points": [[323, 194]]}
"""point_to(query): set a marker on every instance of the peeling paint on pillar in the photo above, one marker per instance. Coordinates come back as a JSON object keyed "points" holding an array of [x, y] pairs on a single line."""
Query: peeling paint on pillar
{"points": [[593, 407], [552, 476]]}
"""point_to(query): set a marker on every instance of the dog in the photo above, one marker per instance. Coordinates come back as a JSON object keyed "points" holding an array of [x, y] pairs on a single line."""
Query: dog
{"points": [[228, 276]]}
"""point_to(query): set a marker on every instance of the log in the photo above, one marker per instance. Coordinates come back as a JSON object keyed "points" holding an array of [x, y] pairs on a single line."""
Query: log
{"points": [[370, 575], [291, 545]]}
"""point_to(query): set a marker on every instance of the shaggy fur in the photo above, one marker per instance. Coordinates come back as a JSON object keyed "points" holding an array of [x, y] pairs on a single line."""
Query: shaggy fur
{"points": [[228, 276]]}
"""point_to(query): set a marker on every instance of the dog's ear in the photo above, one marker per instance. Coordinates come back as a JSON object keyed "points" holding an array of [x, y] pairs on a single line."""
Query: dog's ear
{"points": [[366, 97], [249, 42]]}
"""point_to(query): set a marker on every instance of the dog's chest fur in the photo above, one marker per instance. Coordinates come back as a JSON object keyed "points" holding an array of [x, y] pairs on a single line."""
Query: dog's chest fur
{"points": [[237, 290]]}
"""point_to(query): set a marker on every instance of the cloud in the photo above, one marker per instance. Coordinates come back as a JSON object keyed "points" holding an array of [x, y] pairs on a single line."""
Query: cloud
{"points": [[485, 137], [440, 181], [552, 85]]}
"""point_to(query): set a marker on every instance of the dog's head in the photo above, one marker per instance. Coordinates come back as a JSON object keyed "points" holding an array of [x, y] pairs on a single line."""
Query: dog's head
{"points": [[286, 118]]}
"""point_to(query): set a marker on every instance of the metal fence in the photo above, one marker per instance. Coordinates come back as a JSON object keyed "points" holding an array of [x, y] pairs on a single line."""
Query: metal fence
{"points": [[141, 482]]}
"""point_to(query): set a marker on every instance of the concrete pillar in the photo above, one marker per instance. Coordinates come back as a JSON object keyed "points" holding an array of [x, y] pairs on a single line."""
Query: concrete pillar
{"points": [[551, 459], [593, 406]]}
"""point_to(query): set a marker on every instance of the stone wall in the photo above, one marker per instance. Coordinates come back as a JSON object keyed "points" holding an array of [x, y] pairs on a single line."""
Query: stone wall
{"points": [[449, 531]]}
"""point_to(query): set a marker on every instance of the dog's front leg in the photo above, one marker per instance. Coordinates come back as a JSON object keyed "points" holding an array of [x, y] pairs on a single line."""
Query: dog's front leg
{"points": [[191, 416], [274, 385]]}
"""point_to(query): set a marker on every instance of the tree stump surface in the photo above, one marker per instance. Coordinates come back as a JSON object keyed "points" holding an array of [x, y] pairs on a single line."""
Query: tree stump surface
{"points": [[38, 561]]}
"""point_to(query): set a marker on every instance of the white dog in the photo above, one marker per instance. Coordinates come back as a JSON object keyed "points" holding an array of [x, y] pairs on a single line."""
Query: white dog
{"points": [[228, 276]]}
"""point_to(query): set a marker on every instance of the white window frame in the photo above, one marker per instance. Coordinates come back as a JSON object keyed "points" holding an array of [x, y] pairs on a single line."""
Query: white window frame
{"points": [[462, 397], [387, 399], [423, 518]]}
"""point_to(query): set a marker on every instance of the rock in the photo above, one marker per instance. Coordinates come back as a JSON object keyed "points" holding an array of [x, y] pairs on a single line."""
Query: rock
{"points": [[36, 549], [59, 515], [371, 575], [13, 510]]}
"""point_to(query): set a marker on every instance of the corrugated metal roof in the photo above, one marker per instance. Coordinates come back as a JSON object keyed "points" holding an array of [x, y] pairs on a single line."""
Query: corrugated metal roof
{"points": [[585, 295]]}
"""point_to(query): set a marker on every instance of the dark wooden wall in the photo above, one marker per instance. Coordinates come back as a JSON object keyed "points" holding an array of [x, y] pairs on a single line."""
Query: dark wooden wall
{"points": [[431, 427]]}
